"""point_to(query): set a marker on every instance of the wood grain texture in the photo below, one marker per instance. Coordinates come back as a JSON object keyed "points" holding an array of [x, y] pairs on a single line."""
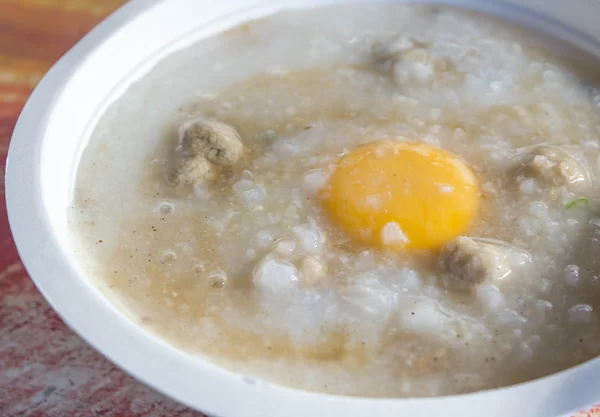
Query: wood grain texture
{"points": [[45, 369]]}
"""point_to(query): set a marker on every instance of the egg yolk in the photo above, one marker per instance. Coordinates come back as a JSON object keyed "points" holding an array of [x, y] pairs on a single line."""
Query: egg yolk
{"points": [[401, 195]]}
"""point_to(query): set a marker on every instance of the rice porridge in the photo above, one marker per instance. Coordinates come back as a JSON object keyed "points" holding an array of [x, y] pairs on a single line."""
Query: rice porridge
{"points": [[388, 201]]}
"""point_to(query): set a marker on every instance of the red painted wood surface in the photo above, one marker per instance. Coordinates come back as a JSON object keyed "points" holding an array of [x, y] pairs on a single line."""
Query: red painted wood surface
{"points": [[45, 369]]}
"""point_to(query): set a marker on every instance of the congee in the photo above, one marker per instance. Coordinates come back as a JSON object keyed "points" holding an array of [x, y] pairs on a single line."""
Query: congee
{"points": [[375, 200]]}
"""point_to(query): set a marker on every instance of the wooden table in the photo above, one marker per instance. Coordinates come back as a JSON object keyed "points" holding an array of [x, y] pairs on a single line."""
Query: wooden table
{"points": [[45, 369]]}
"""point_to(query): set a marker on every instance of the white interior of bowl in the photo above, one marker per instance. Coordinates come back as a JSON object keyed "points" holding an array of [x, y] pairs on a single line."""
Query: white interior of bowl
{"points": [[47, 144]]}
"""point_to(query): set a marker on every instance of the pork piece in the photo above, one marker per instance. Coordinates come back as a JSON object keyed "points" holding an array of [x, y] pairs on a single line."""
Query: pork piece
{"points": [[465, 263], [556, 167], [206, 146], [409, 61], [193, 171], [217, 142]]}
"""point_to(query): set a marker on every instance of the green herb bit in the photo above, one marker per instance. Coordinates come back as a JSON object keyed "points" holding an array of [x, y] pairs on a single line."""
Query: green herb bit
{"points": [[577, 201]]}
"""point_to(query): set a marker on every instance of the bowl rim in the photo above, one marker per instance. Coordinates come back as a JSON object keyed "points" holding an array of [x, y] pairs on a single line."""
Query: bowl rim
{"points": [[191, 380]]}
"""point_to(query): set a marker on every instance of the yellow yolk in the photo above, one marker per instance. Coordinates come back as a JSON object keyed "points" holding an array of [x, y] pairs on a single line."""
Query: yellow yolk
{"points": [[401, 195]]}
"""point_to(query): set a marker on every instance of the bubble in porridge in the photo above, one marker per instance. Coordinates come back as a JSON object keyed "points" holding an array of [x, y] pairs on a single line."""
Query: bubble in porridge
{"points": [[572, 274], [166, 207], [169, 256], [217, 279]]}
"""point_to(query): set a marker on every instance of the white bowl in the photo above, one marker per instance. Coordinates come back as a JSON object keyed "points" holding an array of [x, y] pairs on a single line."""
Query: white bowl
{"points": [[47, 143]]}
